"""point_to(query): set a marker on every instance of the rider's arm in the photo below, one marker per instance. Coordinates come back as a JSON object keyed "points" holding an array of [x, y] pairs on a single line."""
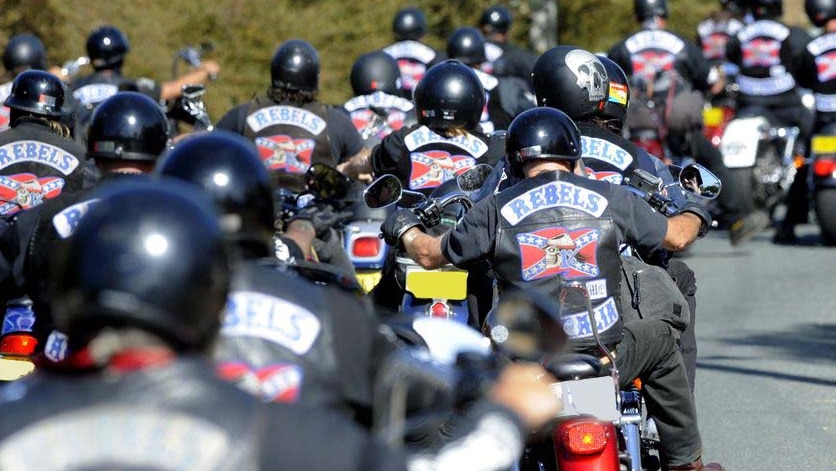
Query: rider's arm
{"points": [[424, 249], [201, 74], [683, 229]]}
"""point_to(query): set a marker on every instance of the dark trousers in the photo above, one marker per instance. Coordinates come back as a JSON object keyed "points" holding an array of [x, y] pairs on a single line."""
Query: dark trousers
{"points": [[687, 283], [649, 351]]}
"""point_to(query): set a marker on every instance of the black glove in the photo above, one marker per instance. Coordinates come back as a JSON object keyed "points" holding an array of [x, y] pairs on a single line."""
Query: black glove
{"points": [[700, 211], [397, 223], [321, 217]]}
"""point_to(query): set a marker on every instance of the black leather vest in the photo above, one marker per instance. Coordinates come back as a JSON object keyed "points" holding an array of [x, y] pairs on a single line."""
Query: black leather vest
{"points": [[289, 139], [37, 165], [434, 159], [554, 228], [763, 56], [378, 114], [608, 156], [276, 333], [143, 411]]}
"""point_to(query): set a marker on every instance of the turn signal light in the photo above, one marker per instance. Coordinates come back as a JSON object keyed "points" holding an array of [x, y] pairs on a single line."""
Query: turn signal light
{"points": [[366, 247], [585, 438], [18, 344]]}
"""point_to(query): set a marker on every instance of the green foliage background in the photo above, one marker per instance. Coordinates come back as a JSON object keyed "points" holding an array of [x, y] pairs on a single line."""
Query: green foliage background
{"points": [[246, 32]]}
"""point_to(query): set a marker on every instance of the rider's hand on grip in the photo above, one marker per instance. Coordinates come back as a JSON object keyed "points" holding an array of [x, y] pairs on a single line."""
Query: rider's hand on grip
{"points": [[397, 223], [429, 212]]}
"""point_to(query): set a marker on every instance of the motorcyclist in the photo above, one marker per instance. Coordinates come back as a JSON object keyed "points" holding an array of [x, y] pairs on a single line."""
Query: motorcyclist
{"points": [[769, 54], [290, 126], [107, 47], [330, 356], [447, 141], [22, 52], [607, 155], [293, 129], [142, 324], [414, 57], [818, 60], [662, 64], [127, 133], [41, 160], [377, 106], [506, 96], [504, 58], [714, 32], [555, 225]]}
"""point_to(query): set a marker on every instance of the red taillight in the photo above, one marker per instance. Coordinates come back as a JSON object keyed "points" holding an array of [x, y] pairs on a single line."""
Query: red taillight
{"points": [[824, 168], [584, 438], [439, 310], [18, 344], [366, 247]]}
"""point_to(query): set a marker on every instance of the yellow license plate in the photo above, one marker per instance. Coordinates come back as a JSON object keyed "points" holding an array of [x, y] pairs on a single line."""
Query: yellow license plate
{"points": [[437, 284], [368, 280], [12, 368], [712, 116], [823, 144]]}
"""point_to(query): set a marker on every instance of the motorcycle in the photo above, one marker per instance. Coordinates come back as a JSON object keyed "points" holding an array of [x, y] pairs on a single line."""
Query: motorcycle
{"points": [[761, 157], [441, 292], [448, 365], [823, 172], [605, 427]]}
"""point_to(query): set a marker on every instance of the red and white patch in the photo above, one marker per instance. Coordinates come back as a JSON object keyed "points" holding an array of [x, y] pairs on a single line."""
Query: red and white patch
{"points": [[26, 190], [274, 383], [432, 168], [285, 153]]}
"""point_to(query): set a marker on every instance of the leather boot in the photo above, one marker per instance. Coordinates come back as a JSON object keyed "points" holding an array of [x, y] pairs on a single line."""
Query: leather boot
{"points": [[698, 466]]}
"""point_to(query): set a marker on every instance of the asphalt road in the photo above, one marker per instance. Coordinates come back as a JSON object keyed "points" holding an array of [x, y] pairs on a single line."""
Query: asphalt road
{"points": [[766, 329]]}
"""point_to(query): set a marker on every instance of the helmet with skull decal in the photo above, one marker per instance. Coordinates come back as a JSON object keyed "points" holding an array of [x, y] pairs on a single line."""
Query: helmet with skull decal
{"points": [[572, 80]]}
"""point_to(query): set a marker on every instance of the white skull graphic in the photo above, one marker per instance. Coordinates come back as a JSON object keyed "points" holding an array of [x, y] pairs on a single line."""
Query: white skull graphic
{"points": [[590, 73]]}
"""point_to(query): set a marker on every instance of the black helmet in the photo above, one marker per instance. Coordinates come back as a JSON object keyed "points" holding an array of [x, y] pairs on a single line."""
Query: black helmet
{"points": [[449, 95], [734, 6], [375, 71], [767, 8], [295, 66], [38, 92], [24, 51], [106, 48], [541, 133], [819, 11], [127, 126], [618, 98], [148, 254], [409, 24], [572, 80], [467, 44], [227, 166], [649, 9], [496, 19]]}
